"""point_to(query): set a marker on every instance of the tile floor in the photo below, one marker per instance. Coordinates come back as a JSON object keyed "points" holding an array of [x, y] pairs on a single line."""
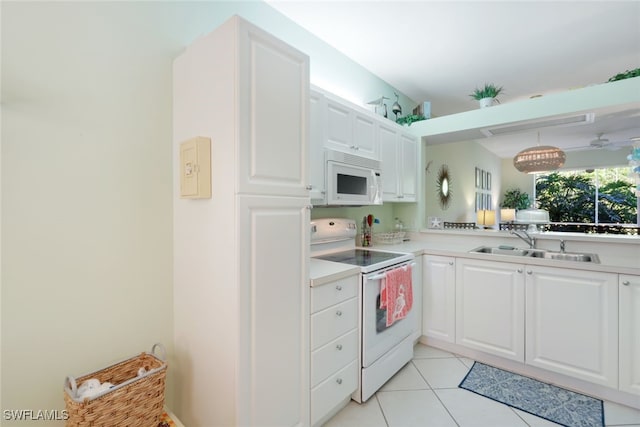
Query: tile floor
{"points": [[425, 393]]}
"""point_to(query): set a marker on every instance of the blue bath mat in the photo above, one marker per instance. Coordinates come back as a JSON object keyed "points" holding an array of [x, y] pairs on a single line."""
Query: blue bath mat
{"points": [[546, 401]]}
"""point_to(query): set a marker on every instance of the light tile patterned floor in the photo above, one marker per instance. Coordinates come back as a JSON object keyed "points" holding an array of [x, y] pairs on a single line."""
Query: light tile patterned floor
{"points": [[425, 393]]}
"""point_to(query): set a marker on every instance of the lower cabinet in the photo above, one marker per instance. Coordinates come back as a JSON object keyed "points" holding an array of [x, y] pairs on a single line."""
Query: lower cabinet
{"points": [[580, 323], [439, 297], [490, 307], [629, 306], [334, 346], [567, 320], [572, 323]]}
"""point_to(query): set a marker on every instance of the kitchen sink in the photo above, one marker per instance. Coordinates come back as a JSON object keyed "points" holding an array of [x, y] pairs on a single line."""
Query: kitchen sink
{"points": [[567, 256], [501, 250], [538, 253]]}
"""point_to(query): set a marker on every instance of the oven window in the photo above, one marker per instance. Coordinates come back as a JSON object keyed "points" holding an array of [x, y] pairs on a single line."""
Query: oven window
{"points": [[381, 316], [351, 184]]}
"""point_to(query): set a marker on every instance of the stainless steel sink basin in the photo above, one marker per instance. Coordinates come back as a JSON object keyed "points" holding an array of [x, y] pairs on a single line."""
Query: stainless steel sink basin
{"points": [[501, 250], [538, 253], [567, 256]]}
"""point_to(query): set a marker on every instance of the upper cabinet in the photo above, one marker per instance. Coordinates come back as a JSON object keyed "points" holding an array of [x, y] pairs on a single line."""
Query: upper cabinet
{"points": [[273, 145], [350, 130], [338, 125], [399, 154], [317, 136]]}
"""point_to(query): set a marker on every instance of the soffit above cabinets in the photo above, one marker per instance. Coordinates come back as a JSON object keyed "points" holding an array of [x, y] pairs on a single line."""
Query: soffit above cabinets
{"points": [[568, 120]]}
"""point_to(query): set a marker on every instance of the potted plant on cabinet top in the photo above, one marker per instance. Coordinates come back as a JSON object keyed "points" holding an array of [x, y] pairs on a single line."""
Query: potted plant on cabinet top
{"points": [[486, 95]]}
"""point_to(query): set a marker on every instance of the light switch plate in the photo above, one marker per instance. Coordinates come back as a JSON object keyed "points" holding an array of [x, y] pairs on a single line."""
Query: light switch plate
{"points": [[195, 168]]}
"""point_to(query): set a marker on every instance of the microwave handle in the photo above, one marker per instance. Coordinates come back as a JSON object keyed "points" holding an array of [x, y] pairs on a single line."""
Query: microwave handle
{"points": [[376, 188]]}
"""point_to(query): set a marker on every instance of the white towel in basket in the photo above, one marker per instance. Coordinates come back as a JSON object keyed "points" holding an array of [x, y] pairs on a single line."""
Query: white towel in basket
{"points": [[91, 387]]}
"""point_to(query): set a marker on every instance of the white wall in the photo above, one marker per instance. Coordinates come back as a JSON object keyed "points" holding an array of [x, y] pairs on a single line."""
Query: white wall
{"points": [[87, 182], [461, 158], [512, 178]]}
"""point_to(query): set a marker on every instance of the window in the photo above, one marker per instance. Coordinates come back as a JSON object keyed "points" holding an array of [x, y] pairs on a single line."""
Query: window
{"points": [[600, 196]]}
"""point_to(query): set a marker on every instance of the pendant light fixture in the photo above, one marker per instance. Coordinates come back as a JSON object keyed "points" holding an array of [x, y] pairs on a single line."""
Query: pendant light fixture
{"points": [[542, 158]]}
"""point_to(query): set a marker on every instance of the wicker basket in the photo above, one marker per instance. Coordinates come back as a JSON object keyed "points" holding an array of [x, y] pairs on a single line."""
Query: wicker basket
{"points": [[134, 400], [390, 238]]}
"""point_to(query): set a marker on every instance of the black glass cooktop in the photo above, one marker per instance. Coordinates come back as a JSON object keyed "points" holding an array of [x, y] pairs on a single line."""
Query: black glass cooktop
{"points": [[360, 257]]}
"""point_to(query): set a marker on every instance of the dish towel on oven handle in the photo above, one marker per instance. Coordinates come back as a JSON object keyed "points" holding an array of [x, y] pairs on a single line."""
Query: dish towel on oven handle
{"points": [[396, 293]]}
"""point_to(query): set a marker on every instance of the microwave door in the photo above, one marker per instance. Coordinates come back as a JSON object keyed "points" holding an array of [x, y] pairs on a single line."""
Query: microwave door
{"points": [[349, 185]]}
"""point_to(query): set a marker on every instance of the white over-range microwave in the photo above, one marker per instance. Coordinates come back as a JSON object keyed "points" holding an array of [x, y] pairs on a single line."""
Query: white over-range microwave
{"points": [[352, 180]]}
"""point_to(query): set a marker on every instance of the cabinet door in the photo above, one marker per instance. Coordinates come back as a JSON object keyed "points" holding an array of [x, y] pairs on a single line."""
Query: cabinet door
{"points": [[317, 127], [629, 333], [439, 297], [273, 339], [409, 167], [364, 136], [490, 307], [572, 323], [273, 115], [388, 141], [339, 127]]}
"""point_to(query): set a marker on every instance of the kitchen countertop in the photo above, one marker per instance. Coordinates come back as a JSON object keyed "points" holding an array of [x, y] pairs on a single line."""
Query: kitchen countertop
{"points": [[458, 243], [424, 247], [322, 272]]}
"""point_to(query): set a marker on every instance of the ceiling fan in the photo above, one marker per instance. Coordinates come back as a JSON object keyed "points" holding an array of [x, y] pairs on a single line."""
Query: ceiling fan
{"points": [[601, 143]]}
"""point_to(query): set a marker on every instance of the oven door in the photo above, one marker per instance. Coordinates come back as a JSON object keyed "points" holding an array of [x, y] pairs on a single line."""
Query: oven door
{"points": [[377, 338]]}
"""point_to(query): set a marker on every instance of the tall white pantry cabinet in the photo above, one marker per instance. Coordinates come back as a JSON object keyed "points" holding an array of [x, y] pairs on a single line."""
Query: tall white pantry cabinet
{"points": [[241, 299]]}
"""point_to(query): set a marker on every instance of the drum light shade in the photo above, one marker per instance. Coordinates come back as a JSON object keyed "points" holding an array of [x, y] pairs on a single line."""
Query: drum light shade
{"points": [[486, 218], [507, 215], [539, 159]]}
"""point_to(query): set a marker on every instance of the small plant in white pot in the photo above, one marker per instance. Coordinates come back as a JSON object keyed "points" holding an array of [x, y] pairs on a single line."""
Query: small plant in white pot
{"points": [[487, 94]]}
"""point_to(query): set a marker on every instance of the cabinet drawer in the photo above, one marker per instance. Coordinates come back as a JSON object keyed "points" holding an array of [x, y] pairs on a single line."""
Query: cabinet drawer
{"points": [[333, 293], [333, 390], [333, 322], [333, 356]]}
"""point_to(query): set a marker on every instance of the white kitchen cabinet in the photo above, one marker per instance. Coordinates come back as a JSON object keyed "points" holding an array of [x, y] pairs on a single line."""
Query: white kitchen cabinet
{"points": [[417, 287], [490, 307], [334, 346], [572, 323], [350, 129], [317, 136], [409, 172], [439, 297], [399, 154], [629, 324], [241, 256]]}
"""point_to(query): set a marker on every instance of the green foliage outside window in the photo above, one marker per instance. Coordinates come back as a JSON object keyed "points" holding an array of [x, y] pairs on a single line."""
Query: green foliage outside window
{"points": [[570, 196]]}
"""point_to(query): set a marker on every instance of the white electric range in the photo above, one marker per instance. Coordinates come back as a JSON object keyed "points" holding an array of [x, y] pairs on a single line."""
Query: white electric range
{"points": [[383, 349]]}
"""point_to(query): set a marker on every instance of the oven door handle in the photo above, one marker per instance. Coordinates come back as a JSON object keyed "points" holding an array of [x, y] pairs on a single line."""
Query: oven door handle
{"points": [[382, 276]]}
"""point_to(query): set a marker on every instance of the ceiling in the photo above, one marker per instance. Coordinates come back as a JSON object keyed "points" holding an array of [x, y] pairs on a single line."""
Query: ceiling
{"points": [[439, 51]]}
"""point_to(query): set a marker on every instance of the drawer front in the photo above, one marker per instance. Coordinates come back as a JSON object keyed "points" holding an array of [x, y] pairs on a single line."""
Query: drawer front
{"points": [[332, 293], [332, 322], [333, 390], [333, 356]]}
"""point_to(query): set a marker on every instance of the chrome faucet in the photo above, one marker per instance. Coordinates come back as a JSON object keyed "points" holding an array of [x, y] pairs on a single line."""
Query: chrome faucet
{"points": [[527, 238]]}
